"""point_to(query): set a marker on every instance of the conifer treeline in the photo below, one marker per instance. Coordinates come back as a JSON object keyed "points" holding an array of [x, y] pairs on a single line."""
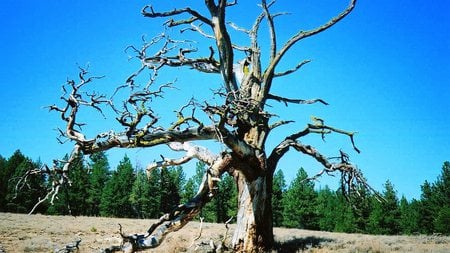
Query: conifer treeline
{"points": [[96, 190]]}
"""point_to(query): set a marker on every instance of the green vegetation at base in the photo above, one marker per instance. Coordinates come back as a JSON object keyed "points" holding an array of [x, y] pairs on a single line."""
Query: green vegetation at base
{"points": [[95, 190]]}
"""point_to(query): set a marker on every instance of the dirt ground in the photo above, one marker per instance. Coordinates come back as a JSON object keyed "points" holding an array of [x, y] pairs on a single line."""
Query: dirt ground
{"points": [[40, 233]]}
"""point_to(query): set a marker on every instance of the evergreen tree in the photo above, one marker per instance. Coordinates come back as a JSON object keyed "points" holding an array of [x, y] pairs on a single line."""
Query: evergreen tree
{"points": [[409, 212], [361, 200], [7, 172], [278, 190], [108, 196], [385, 217], [172, 179], [78, 189], [140, 195], [154, 182], [225, 199], [4, 178], [442, 221], [300, 202], [441, 190], [115, 198], [98, 177], [21, 199], [326, 208], [427, 209], [391, 210], [344, 216], [189, 190], [375, 225], [72, 198], [193, 183], [232, 199]]}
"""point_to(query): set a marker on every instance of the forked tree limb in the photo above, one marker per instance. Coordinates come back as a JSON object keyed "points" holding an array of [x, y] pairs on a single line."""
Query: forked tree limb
{"points": [[58, 176], [350, 175], [195, 15], [269, 72], [191, 151], [241, 123]]}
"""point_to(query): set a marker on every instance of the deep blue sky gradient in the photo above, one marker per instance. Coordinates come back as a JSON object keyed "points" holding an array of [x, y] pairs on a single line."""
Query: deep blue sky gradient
{"points": [[385, 70]]}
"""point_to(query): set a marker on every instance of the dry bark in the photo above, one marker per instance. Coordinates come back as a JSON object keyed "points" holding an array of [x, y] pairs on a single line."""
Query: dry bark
{"points": [[241, 123]]}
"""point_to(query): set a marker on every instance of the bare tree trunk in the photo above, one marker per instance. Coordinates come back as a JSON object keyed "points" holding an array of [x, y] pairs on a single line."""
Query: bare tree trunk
{"points": [[254, 230]]}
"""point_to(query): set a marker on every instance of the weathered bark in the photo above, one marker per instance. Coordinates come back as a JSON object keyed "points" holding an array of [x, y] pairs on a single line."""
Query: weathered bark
{"points": [[254, 229], [241, 124]]}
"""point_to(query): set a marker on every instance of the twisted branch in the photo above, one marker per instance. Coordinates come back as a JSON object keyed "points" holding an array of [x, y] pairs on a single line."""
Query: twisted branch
{"points": [[182, 214]]}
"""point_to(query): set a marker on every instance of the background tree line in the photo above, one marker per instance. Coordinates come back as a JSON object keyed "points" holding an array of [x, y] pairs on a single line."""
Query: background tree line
{"points": [[96, 190]]}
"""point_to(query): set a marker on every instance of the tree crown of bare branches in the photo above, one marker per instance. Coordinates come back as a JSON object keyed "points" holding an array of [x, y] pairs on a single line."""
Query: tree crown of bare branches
{"points": [[241, 123]]}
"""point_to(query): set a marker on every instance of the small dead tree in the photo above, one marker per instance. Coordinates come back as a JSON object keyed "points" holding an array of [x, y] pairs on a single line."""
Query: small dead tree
{"points": [[240, 123]]}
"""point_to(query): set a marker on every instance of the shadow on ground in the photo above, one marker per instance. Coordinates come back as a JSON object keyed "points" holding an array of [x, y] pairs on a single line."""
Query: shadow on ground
{"points": [[300, 244]]}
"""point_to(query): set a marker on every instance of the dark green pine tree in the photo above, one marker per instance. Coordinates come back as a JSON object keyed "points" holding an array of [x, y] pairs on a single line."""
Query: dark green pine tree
{"points": [[5, 175], [108, 196], [140, 195], [442, 221], [7, 172], [115, 198], [21, 198], [361, 201], [99, 169], [385, 217], [326, 208], [189, 190], [344, 215], [78, 189], [409, 212], [171, 180], [300, 203], [278, 191], [193, 183], [154, 182], [427, 209], [375, 225], [232, 198], [225, 199], [72, 198], [441, 196], [391, 210]]}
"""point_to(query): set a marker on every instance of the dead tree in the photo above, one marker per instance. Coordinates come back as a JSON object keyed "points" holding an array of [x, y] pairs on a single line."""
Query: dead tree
{"points": [[240, 123]]}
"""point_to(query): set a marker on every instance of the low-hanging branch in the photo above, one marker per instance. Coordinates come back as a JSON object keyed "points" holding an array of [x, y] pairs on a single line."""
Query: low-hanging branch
{"points": [[182, 214]]}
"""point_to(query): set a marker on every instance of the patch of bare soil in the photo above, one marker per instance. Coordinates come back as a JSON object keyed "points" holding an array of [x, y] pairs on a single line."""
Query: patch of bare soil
{"points": [[41, 233]]}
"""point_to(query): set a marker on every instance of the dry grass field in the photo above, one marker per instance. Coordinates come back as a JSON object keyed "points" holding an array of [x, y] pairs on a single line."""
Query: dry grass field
{"points": [[40, 233]]}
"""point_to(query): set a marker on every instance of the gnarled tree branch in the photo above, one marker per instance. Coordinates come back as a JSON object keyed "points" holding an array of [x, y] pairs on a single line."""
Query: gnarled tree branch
{"points": [[286, 101], [181, 215], [269, 72], [239, 121]]}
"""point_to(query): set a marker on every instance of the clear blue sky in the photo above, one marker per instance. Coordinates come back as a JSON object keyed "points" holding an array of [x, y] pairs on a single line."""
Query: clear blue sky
{"points": [[385, 70]]}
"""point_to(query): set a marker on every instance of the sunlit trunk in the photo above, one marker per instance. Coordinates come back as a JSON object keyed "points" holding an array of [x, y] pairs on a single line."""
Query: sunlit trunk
{"points": [[254, 230]]}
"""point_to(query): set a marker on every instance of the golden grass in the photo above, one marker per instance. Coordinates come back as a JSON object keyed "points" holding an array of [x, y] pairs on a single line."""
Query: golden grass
{"points": [[41, 233]]}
